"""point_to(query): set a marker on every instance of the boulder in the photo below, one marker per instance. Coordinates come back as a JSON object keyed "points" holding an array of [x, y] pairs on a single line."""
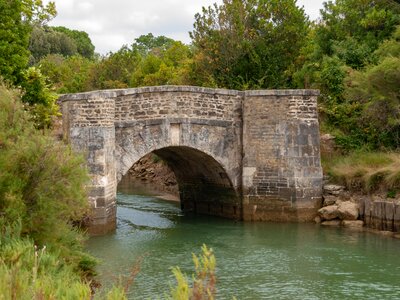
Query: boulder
{"points": [[348, 210], [329, 212]]}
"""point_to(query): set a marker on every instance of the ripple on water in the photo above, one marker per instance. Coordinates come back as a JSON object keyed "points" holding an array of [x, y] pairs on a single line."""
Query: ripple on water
{"points": [[254, 260]]}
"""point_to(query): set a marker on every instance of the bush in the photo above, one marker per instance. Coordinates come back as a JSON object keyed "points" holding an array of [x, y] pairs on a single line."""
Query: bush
{"points": [[42, 183]]}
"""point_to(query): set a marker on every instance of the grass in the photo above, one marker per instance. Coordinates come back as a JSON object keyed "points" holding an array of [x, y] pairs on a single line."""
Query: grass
{"points": [[366, 171]]}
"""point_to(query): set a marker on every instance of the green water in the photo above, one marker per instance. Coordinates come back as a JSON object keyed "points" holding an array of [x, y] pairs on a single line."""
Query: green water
{"points": [[254, 261]]}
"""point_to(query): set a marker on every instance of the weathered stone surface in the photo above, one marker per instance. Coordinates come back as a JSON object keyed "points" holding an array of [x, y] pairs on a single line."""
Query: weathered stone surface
{"points": [[331, 223], [348, 210], [329, 200], [252, 155], [317, 220], [329, 212], [333, 189], [354, 223]]}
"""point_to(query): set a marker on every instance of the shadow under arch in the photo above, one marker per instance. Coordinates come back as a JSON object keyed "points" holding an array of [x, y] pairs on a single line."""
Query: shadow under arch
{"points": [[204, 185]]}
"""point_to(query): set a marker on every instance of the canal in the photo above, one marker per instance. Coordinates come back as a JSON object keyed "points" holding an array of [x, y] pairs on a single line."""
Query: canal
{"points": [[254, 260]]}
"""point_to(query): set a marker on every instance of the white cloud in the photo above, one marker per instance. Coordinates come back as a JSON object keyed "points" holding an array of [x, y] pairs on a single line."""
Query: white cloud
{"points": [[111, 24]]}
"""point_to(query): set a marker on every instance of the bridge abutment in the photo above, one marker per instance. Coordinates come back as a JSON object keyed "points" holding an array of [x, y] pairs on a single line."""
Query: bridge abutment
{"points": [[282, 174], [89, 126]]}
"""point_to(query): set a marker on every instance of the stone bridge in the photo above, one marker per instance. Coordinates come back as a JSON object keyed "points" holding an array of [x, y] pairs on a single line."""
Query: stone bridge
{"points": [[251, 155]]}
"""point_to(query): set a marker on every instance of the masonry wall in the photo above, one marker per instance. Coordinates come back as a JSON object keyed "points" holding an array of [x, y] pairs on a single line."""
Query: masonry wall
{"points": [[208, 120], [250, 155], [196, 130], [282, 174], [88, 121]]}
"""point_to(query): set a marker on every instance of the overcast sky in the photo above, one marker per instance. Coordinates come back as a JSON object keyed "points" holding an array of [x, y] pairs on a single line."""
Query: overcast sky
{"points": [[111, 24]]}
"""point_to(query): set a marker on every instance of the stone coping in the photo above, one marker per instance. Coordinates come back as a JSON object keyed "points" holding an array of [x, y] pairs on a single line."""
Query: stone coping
{"points": [[108, 94]]}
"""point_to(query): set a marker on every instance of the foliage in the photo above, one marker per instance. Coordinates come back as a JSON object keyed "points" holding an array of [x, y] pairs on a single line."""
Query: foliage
{"points": [[45, 40], [114, 71], [145, 44], [36, 13], [42, 183], [14, 38], [31, 272], [67, 75], [41, 100], [352, 59], [81, 40], [148, 61], [204, 279], [42, 193], [367, 171], [163, 67], [369, 114], [248, 44]]}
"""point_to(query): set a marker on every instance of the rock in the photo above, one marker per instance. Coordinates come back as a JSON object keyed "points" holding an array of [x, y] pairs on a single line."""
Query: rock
{"points": [[333, 189], [329, 200], [317, 220], [348, 210], [329, 212], [331, 223], [357, 223]]}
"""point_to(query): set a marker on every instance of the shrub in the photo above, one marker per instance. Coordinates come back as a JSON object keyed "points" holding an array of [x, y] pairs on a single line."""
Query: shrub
{"points": [[42, 183]]}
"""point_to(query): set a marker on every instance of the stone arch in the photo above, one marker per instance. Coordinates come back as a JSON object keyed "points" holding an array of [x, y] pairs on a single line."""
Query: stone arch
{"points": [[204, 185]]}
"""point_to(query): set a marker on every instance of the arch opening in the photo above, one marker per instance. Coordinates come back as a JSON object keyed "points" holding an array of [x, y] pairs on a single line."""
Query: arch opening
{"points": [[204, 185]]}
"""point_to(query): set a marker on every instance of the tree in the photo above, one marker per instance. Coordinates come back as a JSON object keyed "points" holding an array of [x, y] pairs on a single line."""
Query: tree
{"points": [[45, 40], [17, 18], [376, 90], [347, 45], [248, 44], [164, 66], [149, 43], [115, 70], [67, 74], [14, 38], [81, 39], [350, 30]]}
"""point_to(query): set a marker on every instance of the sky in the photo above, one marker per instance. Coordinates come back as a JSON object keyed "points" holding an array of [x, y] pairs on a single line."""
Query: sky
{"points": [[112, 24]]}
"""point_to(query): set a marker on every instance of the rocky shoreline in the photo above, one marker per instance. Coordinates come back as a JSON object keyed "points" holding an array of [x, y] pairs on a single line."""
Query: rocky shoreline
{"points": [[373, 212]]}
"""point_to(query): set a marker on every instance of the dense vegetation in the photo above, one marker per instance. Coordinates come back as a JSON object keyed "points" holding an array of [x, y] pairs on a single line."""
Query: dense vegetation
{"points": [[41, 194], [352, 54]]}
